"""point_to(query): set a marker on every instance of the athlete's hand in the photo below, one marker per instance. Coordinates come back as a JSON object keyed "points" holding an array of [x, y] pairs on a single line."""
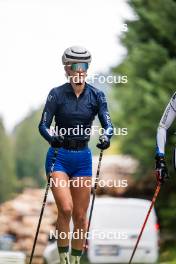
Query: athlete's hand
{"points": [[56, 141], [161, 169], [104, 142]]}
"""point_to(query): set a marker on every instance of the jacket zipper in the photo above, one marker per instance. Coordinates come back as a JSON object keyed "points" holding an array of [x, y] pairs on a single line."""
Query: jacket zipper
{"points": [[77, 103]]}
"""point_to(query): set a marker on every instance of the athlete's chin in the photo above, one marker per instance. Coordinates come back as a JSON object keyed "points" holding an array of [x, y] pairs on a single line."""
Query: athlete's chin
{"points": [[81, 83]]}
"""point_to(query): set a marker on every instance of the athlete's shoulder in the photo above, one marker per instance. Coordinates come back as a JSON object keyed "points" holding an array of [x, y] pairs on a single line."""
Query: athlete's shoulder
{"points": [[95, 90], [173, 101], [91, 87], [60, 89], [56, 92], [99, 94], [174, 96]]}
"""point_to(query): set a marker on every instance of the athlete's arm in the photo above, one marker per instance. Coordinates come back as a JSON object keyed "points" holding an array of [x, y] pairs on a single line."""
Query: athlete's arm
{"points": [[103, 115], [165, 122], [47, 115]]}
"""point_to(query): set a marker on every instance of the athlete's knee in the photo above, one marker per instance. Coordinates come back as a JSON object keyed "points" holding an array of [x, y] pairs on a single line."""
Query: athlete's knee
{"points": [[79, 218], [66, 211]]}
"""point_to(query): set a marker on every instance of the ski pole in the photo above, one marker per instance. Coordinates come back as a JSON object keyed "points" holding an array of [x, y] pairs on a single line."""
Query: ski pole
{"points": [[93, 199], [43, 206], [158, 187]]}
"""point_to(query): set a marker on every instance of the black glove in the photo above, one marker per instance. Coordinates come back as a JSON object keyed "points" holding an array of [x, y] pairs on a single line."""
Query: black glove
{"points": [[161, 169], [56, 141], [104, 142]]}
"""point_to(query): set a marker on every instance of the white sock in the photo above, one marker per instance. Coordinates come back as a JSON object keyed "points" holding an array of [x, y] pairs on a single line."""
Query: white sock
{"points": [[64, 258], [75, 259]]}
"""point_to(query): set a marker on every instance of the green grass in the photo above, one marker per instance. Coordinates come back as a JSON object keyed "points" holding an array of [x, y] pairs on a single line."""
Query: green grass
{"points": [[168, 254], [84, 260]]}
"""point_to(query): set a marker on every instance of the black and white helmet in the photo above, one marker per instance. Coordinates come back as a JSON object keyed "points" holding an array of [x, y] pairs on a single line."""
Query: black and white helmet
{"points": [[76, 54]]}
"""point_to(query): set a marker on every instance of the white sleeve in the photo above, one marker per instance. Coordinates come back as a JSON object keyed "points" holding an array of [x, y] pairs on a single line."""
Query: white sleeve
{"points": [[165, 122]]}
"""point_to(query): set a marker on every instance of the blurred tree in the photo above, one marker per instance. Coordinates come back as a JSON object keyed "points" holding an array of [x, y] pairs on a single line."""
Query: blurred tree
{"points": [[30, 151], [7, 166], [150, 66]]}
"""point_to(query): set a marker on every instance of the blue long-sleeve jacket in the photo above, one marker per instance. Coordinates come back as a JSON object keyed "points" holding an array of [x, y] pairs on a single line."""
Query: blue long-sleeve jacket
{"points": [[71, 112]]}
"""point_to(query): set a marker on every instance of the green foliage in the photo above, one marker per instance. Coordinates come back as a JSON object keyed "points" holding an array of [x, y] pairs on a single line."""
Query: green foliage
{"points": [[150, 66], [30, 151], [168, 255], [7, 176]]}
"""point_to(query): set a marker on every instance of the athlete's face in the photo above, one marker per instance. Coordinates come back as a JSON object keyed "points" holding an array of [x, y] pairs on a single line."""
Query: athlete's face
{"points": [[77, 72]]}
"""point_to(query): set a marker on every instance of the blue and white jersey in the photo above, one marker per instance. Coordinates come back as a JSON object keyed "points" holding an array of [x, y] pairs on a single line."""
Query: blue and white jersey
{"points": [[166, 121]]}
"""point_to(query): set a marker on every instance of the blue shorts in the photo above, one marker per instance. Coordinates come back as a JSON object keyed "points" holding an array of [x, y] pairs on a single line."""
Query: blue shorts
{"points": [[73, 162]]}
